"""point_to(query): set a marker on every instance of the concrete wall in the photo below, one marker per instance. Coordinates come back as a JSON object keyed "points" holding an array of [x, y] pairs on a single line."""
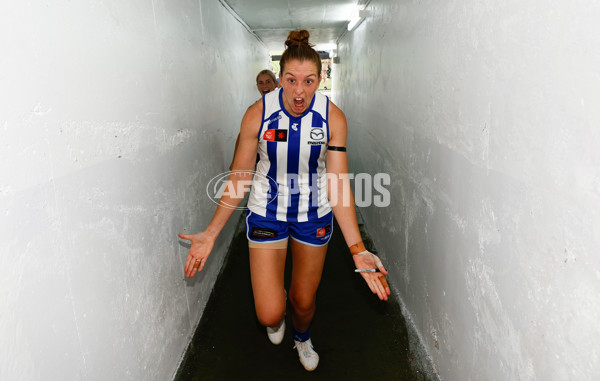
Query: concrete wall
{"points": [[114, 114], [486, 114]]}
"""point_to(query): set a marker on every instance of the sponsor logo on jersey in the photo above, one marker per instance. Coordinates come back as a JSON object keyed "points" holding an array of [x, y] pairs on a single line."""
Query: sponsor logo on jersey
{"points": [[274, 119], [275, 135], [318, 136], [295, 126]]}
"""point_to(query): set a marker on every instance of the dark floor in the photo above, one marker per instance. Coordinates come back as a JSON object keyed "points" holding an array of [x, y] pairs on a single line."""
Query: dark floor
{"points": [[356, 336]]}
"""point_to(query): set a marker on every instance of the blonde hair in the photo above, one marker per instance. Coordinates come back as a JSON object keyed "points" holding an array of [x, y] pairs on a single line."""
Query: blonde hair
{"points": [[269, 72]]}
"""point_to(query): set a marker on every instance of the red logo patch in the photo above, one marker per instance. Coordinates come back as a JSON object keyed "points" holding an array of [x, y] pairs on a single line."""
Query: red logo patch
{"points": [[269, 135], [275, 135], [322, 232]]}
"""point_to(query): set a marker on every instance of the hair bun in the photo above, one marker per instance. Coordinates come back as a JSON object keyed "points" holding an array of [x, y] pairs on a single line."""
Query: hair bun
{"points": [[297, 38]]}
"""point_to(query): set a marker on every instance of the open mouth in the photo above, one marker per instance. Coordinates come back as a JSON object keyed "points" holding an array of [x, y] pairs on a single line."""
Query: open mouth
{"points": [[299, 103], [265, 91]]}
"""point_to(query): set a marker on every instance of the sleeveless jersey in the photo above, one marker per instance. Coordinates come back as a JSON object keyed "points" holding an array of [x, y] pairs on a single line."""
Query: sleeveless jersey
{"points": [[290, 183]]}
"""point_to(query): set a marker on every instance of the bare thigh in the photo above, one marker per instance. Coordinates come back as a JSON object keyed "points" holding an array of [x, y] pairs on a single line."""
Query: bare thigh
{"points": [[267, 267]]}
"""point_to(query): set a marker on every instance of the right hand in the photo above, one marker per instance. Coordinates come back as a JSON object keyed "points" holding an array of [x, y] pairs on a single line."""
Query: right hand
{"points": [[202, 245], [376, 281]]}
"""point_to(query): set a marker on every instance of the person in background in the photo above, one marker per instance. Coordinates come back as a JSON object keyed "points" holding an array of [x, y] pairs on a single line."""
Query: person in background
{"points": [[300, 136], [324, 75], [266, 82]]}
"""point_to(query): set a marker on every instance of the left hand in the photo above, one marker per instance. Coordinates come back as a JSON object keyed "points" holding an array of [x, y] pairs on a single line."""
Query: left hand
{"points": [[376, 281]]}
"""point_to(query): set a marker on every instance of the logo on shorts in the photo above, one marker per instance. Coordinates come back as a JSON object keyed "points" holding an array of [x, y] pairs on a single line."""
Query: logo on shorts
{"points": [[322, 232], [275, 135], [263, 233]]}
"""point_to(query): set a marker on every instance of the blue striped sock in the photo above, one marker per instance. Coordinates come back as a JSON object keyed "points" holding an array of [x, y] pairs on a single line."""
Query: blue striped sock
{"points": [[302, 337]]}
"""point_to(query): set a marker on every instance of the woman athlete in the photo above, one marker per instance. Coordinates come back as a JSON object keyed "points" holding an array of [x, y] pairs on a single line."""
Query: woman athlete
{"points": [[300, 136]]}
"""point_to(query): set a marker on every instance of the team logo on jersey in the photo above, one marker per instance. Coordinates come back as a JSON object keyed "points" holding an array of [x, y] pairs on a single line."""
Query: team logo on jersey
{"points": [[317, 135], [275, 135]]}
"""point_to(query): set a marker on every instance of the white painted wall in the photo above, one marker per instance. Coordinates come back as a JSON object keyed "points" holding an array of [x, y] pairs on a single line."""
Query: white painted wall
{"points": [[114, 114], [486, 114]]}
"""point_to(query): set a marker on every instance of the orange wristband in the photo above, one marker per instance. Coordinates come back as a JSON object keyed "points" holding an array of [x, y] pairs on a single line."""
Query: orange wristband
{"points": [[357, 248]]}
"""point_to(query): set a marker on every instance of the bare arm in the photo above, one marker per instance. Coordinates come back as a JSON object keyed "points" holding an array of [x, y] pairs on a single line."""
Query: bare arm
{"points": [[340, 192], [342, 201], [237, 143], [243, 163]]}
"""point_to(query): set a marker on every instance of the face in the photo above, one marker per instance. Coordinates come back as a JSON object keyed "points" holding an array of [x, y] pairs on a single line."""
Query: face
{"points": [[299, 81], [265, 84]]}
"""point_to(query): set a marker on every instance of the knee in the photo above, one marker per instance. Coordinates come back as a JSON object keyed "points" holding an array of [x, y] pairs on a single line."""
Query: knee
{"points": [[302, 302], [269, 318]]}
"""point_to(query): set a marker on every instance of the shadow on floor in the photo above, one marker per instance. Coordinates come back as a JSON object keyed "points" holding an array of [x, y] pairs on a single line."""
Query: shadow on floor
{"points": [[357, 336]]}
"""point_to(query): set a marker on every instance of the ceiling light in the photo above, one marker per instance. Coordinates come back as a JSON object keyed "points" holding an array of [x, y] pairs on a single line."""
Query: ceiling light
{"points": [[357, 17], [326, 46]]}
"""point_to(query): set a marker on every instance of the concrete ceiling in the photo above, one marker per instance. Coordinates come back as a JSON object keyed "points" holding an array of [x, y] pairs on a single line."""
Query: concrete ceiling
{"points": [[272, 20]]}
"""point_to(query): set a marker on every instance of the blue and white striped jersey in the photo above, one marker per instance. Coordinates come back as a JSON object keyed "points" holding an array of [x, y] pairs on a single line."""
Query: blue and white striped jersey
{"points": [[290, 183]]}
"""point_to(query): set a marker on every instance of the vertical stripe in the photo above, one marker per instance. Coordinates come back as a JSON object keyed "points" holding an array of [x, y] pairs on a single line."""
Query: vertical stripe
{"points": [[314, 153], [264, 112], [293, 156], [272, 172], [316, 192], [281, 173], [260, 185], [303, 170], [327, 119], [324, 206]]}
